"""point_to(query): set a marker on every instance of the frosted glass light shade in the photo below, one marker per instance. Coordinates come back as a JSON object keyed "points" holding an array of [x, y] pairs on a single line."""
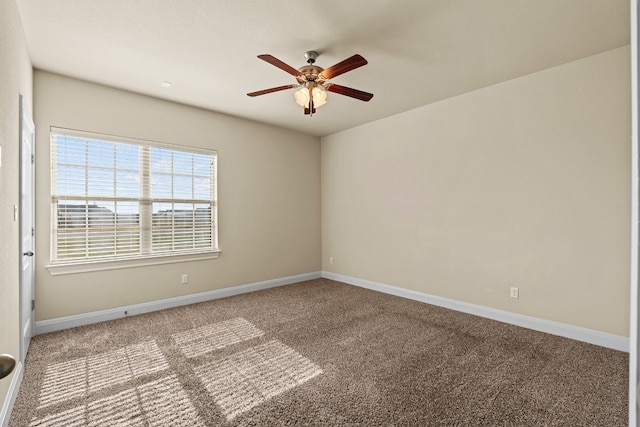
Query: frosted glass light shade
{"points": [[318, 93]]}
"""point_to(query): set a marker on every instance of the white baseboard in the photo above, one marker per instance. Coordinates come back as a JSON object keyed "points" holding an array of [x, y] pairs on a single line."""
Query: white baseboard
{"points": [[602, 339], [10, 399], [60, 323]]}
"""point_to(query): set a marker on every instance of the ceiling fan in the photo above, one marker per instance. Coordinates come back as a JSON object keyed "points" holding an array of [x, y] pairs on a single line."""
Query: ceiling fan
{"points": [[313, 81]]}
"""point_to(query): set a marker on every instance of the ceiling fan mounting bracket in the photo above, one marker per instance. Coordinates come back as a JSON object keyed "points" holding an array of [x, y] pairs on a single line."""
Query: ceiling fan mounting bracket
{"points": [[311, 56]]}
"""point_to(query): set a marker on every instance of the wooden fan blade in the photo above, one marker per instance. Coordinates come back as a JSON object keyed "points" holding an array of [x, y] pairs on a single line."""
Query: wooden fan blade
{"points": [[353, 93], [273, 89], [342, 67], [285, 67]]}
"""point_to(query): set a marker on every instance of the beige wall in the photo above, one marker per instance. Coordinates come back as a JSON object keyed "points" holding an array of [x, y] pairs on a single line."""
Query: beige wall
{"points": [[15, 79], [268, 193], [525, 183]]}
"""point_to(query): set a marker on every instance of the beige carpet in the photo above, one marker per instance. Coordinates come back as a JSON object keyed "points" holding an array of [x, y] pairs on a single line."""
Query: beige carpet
{"points": [[317, 353]]}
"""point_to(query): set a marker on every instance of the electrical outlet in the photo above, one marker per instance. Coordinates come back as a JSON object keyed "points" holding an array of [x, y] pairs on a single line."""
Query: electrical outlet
{"points": [[330, 260], [185, 278], [515, 292]]}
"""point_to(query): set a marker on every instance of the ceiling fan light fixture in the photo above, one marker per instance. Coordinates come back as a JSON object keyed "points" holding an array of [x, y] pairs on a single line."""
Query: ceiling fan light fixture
{"points": [[303, 96]]}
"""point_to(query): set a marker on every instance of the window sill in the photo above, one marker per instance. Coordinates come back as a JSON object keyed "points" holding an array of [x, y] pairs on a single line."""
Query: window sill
{"points": [[88, 266]]}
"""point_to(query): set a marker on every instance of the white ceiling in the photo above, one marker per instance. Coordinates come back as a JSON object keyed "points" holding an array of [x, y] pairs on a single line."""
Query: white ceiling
{"points": [[419, 51]]}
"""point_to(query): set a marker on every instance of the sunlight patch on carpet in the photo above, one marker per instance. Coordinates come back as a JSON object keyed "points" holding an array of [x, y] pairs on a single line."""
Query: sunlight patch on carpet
{"points": [[74, 417], [202, 340], [64, 381], [76, 378], [166, 403], [158, 403], [248, 378], [118, 409]]}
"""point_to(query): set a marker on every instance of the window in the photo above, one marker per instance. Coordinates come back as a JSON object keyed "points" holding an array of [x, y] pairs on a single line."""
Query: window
{"points": [[115, 200]]}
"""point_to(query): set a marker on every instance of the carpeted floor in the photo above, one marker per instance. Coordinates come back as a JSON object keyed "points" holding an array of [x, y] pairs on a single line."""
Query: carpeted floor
{"points": [[317, 353]]}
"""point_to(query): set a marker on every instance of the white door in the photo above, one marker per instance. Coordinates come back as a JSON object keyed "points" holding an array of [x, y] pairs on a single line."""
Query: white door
{"points": [[27, 230]]}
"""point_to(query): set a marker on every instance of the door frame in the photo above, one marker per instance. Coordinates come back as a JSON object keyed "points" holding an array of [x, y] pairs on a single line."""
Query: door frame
{"points": [[634, 325], [27, 323]]}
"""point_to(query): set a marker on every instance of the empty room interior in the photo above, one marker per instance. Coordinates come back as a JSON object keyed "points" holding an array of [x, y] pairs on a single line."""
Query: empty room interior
{"points": [[420, 215]]}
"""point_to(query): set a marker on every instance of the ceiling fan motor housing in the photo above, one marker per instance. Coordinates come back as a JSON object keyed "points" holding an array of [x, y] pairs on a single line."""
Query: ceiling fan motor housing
{"points": [[310, 73]]}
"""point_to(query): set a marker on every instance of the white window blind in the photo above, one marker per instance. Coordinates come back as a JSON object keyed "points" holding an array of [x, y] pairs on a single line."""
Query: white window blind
{"points": [[116, 198]]}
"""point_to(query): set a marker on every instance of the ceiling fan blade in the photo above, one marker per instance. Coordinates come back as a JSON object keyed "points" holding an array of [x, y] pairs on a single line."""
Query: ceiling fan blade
{"points": [[342, 67], [275, 61], [273, 89], [353, 93]]}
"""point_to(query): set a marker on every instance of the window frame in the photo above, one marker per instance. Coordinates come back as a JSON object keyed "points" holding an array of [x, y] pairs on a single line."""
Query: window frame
{"points": [[146, 257]]}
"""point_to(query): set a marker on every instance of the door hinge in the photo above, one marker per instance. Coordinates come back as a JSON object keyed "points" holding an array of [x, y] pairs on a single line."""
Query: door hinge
{"points": [[33, 231], [33, 304], [33, 158]]}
